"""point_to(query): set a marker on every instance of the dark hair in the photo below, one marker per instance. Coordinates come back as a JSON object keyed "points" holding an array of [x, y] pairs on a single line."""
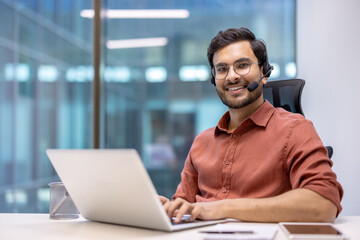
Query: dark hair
{"points": [[232, 35]]}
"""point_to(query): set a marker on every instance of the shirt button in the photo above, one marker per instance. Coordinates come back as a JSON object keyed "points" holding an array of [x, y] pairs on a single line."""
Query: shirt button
{"points": [[234, 136], [227, 162], [224, 190]]}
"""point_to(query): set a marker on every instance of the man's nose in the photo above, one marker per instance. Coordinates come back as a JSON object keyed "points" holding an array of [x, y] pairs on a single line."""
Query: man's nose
{"points": [[232, 75]]}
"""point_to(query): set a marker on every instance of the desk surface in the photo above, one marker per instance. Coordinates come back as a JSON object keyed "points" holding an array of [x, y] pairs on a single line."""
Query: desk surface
{"points": [[39, 226]]}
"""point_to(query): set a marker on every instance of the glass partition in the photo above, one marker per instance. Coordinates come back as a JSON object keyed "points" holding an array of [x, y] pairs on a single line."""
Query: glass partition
{"points": [[45, 94]]}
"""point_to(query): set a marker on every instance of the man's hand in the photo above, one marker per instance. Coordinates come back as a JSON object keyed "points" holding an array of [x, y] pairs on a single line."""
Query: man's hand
{"points": [[205, 211], [163, 200], [179, 207]]}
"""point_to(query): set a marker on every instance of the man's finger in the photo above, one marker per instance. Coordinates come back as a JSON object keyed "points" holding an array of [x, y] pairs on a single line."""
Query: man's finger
{"points": [[184, 209], [163, 199], [173, 206], [195, 212]]}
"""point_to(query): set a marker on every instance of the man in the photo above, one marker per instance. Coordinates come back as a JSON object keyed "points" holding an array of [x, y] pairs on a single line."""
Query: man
{"points": [[259, 163]]}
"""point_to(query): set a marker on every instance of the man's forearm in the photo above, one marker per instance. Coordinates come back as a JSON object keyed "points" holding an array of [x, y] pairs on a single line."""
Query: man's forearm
{"points": [[296, 205]]}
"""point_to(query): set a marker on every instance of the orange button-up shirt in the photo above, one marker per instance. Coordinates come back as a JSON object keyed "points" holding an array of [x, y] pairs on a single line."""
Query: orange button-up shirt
{"points": [[271, 152]]}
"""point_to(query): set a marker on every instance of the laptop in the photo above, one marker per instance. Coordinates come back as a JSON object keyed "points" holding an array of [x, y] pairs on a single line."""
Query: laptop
{"points": [[113, 186]]}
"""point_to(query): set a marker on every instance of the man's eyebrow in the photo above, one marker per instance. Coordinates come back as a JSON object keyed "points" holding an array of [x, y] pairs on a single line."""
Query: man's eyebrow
{"points": [[220, 64], [244, 59]]}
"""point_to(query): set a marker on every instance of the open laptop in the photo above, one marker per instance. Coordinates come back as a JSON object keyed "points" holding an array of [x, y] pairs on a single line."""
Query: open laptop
{"points": [[113, 186]]}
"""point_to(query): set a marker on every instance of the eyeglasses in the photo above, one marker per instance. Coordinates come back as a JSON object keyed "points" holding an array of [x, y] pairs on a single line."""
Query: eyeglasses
{"points": [[240, 67]]}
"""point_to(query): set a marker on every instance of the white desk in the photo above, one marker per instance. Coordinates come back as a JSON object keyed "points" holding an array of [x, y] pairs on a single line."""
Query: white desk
{"points": [[39, 226]]}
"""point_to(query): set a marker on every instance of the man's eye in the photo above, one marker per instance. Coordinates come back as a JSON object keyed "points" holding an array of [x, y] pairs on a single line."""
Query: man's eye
{"points": [[242, 65], [221, 69]]}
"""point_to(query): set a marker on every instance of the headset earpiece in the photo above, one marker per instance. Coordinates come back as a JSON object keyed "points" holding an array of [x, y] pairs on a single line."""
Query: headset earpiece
{"points": [[212, 78]]}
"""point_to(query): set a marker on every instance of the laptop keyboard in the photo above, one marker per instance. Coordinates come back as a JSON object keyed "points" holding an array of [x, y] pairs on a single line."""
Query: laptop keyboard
{"points": [[185, 219]]}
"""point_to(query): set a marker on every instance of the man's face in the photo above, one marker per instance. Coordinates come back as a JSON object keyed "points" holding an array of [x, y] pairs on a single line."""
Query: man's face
{"points": [[232, 89]]}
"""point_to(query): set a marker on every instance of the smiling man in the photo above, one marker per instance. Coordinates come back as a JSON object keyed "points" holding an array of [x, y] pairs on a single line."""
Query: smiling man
{"points": [[259, 163]]}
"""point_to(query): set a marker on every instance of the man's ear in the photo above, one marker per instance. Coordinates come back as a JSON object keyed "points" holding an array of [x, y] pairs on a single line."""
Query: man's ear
{"points": [[264, 80]]}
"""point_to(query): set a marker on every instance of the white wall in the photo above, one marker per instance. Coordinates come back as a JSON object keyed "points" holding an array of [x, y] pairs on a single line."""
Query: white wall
{"points": [[328, 53]]}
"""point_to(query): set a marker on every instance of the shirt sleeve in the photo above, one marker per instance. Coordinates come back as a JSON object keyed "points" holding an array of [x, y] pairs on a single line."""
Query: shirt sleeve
{"points": [[308, 163], [188, 187]]}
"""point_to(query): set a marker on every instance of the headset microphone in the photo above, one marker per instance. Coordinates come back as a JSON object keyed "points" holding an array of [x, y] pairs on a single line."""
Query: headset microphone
{"points": [[252, 86]]}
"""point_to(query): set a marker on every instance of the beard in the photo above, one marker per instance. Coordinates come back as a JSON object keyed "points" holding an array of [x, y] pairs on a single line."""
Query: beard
{"points": [[240, 103]]}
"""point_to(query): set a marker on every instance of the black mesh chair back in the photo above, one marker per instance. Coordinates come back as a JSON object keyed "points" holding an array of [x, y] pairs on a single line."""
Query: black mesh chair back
{"points": [[287, 94]]}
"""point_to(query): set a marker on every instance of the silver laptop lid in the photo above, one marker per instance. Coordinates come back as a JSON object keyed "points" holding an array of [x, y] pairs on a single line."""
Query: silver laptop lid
{"points": [[110, 185]]}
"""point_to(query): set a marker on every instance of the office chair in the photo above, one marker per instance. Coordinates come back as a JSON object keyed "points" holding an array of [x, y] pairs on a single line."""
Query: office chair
{"points": [[287, 94]]}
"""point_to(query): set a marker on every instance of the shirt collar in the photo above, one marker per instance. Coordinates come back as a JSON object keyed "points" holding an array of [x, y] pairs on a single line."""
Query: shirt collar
{"points": [[260, 118]]}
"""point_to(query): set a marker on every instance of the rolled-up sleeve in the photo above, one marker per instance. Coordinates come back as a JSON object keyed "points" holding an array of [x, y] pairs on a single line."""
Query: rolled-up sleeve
{"points": [[308, 163]]}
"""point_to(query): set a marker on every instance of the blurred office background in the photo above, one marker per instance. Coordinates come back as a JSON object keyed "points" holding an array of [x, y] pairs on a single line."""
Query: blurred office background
{"points": [[154, 98]]}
